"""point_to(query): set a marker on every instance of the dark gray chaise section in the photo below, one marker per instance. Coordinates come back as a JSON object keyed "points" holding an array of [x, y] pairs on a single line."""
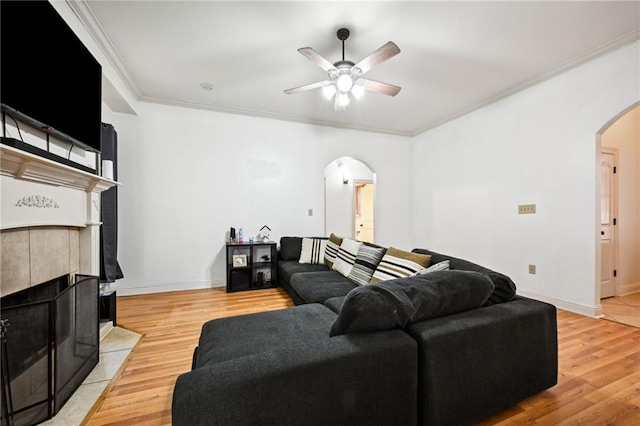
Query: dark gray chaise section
{"points": [[477, 363], [282, 368]]}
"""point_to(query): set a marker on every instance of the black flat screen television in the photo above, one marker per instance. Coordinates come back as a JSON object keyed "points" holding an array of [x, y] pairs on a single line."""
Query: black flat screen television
{"points": [[47, 73]]}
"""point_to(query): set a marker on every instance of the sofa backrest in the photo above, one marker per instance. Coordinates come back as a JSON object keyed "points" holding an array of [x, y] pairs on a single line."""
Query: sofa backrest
{"points": [[291, 247], [505, 288]]}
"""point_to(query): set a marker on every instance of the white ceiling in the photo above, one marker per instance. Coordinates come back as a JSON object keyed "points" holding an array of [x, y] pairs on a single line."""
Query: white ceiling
{"points": [[455, 56]]}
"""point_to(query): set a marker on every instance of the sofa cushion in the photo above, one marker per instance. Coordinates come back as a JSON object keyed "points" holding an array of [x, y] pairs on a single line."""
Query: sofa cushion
{"points": [[398, 263], [317, 287], [397, 303], [332, 250], [346, 256], [504, 290], [335, 303], [287, 268], [366, 262], [290, 248], [313, 250]]}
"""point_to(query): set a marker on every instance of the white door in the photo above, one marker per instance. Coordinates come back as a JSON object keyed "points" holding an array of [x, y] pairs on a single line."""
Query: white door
{"points": [[607, 223], [363, 209]]}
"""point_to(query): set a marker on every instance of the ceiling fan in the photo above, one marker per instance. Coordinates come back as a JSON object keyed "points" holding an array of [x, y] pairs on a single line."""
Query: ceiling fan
{"points": [[345, 77]]}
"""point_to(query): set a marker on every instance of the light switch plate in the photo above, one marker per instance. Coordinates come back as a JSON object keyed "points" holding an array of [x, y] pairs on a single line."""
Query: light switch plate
{"points": [[532, 269]]}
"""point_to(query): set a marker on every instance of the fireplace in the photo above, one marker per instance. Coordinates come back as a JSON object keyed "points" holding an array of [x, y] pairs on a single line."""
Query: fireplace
{"points": [[50, 234], [50, 345]]}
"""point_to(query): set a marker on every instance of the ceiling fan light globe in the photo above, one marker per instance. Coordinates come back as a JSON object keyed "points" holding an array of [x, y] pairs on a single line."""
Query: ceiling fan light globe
{"points": [[329, 91], [344, 83], [358, 89], [342, 100]]}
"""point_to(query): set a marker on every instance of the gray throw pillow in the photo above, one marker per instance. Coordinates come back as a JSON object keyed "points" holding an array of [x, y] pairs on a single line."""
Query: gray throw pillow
{"points": [[290, 248], [505, 288], [398, 303]]}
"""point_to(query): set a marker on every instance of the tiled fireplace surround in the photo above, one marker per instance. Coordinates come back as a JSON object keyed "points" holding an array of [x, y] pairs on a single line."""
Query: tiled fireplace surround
{"points": [[33, 255]]}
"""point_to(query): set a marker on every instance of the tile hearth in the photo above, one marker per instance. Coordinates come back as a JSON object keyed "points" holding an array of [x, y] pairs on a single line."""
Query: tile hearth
{"points": [[114, 351]]}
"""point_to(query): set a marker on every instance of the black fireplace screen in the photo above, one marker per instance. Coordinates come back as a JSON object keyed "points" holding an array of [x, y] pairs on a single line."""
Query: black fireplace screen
{"points": [[50, 344]]}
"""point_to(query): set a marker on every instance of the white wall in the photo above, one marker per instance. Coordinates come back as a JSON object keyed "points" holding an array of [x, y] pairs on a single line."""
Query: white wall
{"points": [[537, 146], [339, 204], [188, 175], [624, 137]]}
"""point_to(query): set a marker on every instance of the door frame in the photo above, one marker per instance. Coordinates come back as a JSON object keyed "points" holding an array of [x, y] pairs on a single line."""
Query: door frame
{"points": [[329, 174]]}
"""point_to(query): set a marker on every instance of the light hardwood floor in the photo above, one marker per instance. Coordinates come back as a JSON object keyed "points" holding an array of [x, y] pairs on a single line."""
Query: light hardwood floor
{"points": [[623, 309], [598, 380]]}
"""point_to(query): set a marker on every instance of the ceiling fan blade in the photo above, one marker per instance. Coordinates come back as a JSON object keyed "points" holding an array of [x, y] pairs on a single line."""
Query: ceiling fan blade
{"points": [[316, 58], [384, 53], [307, 87], [384, 88]]}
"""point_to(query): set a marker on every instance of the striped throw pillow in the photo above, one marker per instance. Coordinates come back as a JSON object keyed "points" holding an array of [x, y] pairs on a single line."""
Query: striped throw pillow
{"points": [[398, 263], [440, 266], [367, 261], [331, 251], [346, 256], [313, 250]]}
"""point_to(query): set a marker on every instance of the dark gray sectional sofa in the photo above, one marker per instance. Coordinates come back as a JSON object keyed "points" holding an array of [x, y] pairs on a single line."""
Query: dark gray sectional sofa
{"points": [[455, 367]]}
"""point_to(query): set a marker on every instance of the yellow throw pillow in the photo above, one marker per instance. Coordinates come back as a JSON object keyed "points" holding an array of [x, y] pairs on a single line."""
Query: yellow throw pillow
{"points": [[398, 263], [330, 252]]}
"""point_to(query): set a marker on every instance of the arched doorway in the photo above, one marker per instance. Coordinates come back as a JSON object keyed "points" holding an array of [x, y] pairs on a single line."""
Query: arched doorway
{"points": [[349, 188], [618, 222]]}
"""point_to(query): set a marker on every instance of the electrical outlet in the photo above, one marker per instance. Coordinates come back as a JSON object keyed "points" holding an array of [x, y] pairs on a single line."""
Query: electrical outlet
{"points": [[310, 212], [532, 269], [527, 209]]}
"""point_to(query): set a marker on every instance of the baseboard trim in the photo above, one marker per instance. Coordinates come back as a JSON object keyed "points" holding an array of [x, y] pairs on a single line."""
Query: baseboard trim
{"points": [[589, 311], [133, 290], [628, 289], [105, 328]]}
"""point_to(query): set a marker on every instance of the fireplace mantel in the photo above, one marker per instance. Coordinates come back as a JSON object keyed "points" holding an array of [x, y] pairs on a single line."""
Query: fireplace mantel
{"points": [[37, 191], [24, 165]]}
